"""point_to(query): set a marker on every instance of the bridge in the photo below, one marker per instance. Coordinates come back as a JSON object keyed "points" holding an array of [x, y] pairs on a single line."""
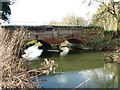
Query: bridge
{"points": [[55, 35]]}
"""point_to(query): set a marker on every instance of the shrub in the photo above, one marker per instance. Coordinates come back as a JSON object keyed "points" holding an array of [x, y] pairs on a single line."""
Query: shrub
{"points": [[14, 73]]}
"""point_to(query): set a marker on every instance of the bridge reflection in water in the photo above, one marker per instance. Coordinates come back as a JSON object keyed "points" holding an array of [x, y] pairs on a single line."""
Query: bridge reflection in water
{"points": [[75, 69]]}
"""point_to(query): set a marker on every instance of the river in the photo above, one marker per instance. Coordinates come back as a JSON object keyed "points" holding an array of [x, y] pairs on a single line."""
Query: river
{"points": [[80, 70]]}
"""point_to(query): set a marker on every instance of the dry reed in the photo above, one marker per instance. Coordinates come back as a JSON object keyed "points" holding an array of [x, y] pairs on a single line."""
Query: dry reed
{"points": [[14, 73]]}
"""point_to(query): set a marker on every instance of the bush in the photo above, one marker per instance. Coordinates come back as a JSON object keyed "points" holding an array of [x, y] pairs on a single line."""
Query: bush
{"points": [[103, 45], [14, 73]]}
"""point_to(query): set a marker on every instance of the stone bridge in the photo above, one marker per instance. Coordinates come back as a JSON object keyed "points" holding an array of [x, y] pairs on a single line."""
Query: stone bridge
{"points": [[57, 34]]}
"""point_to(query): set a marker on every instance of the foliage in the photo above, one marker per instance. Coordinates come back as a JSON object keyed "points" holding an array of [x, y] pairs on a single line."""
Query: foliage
{"points": [[104, 19], [6, 11], [103, 45], [110, 9], [32, 42]]}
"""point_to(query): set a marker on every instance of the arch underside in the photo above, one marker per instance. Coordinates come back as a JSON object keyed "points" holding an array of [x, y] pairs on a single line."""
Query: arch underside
{"points": [[45, 44], [75, 41], [76, 44]]}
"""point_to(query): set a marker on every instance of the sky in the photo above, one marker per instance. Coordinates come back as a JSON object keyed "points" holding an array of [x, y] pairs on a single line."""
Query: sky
{"points": [[41, 12]]}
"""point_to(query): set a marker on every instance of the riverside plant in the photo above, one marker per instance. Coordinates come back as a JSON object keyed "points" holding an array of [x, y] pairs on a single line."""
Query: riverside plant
{"points": [[114, 55], [14, 72]]}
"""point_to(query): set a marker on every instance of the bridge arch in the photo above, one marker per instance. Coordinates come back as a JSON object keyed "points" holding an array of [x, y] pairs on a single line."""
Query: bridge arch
{"points": [[45, 44], [75, 41], [76, 44]]}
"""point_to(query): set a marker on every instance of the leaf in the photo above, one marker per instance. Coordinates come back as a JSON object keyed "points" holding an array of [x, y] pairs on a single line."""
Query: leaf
{"points": [[32, 42]]}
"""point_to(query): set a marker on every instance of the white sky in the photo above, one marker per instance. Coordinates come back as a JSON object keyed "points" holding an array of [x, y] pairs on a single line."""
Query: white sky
{"points": [[43, 11]]}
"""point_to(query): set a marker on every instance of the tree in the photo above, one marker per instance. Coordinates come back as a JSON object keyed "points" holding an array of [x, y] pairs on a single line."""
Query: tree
{"points": [[105, 20], [6, 11], [54, 22], [110, 6], [69, 20], [72, 20]]}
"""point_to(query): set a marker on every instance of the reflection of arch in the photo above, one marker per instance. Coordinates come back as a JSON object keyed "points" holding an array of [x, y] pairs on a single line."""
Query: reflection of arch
{"points": [[45, 44], [75, 41]]}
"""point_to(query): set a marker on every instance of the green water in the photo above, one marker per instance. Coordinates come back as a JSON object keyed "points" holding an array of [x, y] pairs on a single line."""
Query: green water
{"points": [[80, 70]]}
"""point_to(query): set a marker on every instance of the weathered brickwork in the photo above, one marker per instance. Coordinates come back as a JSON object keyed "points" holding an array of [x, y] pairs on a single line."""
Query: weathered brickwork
{"points": [[58, 34]]}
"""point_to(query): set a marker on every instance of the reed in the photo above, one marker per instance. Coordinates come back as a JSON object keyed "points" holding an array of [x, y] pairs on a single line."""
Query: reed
{"points": [[14, 73]]}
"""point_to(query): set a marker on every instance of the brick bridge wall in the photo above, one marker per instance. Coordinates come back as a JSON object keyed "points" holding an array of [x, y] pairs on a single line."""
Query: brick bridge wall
{"points": [[58, 34]]}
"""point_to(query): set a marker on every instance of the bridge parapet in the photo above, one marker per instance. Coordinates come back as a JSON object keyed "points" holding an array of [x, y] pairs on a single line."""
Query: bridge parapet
{"points": [[58, 34]]}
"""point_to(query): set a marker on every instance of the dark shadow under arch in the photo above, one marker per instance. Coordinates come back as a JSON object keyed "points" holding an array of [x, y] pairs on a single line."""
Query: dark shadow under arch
{"points": [[76, 44], [45, 44], [75, 41]]}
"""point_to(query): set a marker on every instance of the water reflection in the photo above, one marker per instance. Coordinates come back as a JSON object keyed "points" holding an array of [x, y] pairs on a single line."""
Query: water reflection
{"points": [[75, 69], [102, 77]]}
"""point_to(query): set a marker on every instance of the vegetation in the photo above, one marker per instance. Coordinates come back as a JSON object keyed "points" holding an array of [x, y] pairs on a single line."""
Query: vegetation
{"points": [[32, 42], [104, 19], [104, 45], [108, 12], [114, 55], [108, 16], [6, 11], [70, 20], [14, 73]]}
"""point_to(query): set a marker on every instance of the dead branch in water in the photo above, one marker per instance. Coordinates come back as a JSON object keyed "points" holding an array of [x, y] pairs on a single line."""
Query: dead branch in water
{"points": [[81, 84]]}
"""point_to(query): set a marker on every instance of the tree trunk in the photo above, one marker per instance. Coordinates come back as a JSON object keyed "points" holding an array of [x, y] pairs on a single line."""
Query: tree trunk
{"points": [[118, 25], [118, 28]]}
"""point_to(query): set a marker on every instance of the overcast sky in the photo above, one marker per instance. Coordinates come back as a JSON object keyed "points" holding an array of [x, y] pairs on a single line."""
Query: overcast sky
{"points": [[43, 11]]}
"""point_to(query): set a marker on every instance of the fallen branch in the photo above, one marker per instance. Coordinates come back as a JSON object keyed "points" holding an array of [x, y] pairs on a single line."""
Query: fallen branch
{"points": [[81, 84]]}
